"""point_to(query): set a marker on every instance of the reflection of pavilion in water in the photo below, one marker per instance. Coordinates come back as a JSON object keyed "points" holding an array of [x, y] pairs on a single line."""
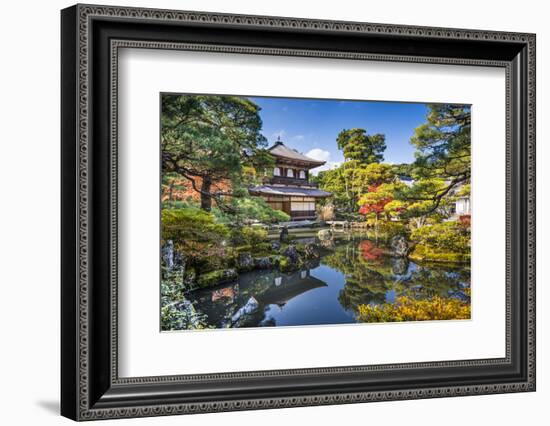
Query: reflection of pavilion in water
{"points": [[246, 304]]}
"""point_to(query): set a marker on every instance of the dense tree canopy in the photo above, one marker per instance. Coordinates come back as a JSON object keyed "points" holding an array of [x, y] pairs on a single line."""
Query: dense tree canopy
{"points": [[356, 144], [208, 139], [443, 156]]}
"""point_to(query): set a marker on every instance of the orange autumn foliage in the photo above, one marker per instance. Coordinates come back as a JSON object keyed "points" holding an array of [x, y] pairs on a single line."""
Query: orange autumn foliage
{"points": [[181, 189]]}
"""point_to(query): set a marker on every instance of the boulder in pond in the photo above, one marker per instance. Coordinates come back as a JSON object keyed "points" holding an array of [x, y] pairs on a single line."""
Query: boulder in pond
{"points": [[245, 262], [263, 262], [291, 254], [400, 266], [311, 251], [399, 246], [275, 246]]}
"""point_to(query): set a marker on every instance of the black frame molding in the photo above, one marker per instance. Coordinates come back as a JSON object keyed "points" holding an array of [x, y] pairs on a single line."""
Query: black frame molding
{"points": [[91, 37]]}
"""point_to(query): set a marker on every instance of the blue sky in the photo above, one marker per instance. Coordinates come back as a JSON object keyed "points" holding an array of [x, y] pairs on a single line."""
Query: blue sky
{"points": [[312, 125]]}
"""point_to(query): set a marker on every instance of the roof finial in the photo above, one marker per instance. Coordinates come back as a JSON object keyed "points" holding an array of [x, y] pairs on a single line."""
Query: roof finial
{"points": [[278, 138]]}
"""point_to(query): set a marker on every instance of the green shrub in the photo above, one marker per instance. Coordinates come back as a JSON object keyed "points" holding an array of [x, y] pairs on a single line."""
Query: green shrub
{"points": [[243, 249], [253, 235], [196, 236], [422, 252], [191, 224], [182, 316], [214, 278], [442, 242], [246, 209], [261, 249], [390, 229], [286, 265]]}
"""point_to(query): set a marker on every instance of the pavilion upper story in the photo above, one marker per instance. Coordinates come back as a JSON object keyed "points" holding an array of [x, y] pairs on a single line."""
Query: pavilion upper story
{"points": [[289, 188]]}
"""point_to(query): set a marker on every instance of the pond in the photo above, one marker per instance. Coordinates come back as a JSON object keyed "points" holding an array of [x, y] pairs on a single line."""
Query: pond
{"points": [[353, 271]]}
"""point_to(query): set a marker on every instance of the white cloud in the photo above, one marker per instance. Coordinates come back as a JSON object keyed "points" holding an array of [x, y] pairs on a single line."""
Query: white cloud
{"points": [[322, 155], [318, 154]]}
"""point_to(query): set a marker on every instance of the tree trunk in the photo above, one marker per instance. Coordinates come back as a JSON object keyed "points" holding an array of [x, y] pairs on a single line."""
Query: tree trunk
{"points": [[206, 198], [171, 190]]}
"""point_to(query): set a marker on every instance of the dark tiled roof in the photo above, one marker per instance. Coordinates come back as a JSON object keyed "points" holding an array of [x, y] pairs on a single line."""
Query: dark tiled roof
{"points": [[279, 149], [288, 191]]}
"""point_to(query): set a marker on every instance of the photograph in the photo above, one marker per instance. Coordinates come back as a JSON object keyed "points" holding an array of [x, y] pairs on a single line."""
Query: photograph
{"points": [[349, 206], [292, 212]]}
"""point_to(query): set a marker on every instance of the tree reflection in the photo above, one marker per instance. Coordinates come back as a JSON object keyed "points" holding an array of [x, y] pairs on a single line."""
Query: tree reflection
{"points": [[355, 270]]}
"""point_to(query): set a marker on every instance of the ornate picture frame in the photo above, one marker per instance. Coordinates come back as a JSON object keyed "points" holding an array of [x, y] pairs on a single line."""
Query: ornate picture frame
{"points": [[91, 37]]}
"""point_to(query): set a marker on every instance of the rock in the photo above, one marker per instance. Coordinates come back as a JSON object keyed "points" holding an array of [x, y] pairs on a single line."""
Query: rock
{"points": [[275, 246], [179, 260], [168, 254], [324, 234], [399, 246], [400, 266], [214, 278], [292, 254], [311, 251], [263, 263], [283, 236], [250, 307], [290, 260], [245, 262]]}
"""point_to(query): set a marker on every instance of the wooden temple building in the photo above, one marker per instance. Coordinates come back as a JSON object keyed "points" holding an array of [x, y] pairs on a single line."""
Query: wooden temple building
{"points": [[289, 189]]}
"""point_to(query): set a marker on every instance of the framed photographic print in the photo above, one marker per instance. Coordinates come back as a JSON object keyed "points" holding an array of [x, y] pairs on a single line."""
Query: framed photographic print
{"points": [[263, 212]]}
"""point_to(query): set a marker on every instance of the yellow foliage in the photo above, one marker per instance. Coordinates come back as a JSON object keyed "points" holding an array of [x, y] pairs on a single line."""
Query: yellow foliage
{"points": [[409, 309]]}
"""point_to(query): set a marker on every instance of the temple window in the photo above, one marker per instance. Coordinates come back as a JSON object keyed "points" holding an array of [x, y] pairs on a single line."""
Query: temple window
{"points": [[290, 173], [302, 174], [276, 171]]}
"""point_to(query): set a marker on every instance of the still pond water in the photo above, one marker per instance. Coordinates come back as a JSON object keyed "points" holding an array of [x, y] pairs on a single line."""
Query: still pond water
{"points": [[351, 272]]}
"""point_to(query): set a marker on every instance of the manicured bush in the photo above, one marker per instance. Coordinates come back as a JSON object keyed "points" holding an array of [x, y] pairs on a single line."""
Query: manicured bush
{"points": [[254, 235], [242, 249], [426, 253], [262, 249], [409, 309], [248, 236], [442, 242], [191, 224], [196, 236]]}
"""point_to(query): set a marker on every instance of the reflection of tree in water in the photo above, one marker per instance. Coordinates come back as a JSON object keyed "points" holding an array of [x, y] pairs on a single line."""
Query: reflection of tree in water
{"points": [[370, 277], [366, 273], [429, 282], [364, 287]]}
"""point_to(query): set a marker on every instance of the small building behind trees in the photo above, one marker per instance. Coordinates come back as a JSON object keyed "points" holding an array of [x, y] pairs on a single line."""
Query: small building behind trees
{"points": [[289, 188]]}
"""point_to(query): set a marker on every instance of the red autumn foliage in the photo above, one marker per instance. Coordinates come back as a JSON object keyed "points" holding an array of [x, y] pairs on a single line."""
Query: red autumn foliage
{"points": [[181, 189], [465, 220], [377, 207], [369, 251]]}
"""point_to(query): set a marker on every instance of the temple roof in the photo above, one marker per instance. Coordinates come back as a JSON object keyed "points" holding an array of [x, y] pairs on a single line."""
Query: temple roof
{"points": [[280, 150], [290, 288], [288, 191]]}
